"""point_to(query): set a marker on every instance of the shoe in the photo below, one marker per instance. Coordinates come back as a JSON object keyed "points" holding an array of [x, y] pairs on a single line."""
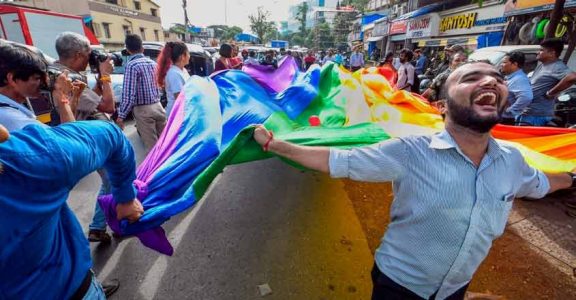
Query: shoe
{"points": [[96, 235], [110, 287]]}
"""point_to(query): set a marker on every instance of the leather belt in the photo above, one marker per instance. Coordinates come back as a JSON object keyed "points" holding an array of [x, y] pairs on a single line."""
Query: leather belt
{"points": [[84, 286]]}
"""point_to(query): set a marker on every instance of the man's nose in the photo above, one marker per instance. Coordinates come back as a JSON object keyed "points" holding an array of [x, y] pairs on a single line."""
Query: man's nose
{"points": [[488, 80]]}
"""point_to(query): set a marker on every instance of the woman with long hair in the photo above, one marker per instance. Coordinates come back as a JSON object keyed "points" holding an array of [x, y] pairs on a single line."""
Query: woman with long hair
{"points": [[224, 63], [387, 69], [171, 74]]}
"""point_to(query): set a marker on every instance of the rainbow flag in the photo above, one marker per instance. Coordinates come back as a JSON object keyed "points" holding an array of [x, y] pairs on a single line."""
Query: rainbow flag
{"points": [[210, 128]]}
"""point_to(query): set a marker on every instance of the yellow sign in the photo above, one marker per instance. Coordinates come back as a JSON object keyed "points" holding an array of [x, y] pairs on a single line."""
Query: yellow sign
{"points": [[464, 21]]}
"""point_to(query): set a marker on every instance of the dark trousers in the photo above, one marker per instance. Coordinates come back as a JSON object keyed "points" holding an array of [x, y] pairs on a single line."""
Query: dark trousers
{"points": [[386, 289]]}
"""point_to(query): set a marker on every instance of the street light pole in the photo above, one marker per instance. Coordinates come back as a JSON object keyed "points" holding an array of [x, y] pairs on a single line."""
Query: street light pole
{"points": [[226, 12]]}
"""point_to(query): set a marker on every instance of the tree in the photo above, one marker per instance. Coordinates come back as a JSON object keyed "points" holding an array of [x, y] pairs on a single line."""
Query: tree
{"points": [[342, 25], [322, 35], [260, 25], [301, 17], [223, 32]]}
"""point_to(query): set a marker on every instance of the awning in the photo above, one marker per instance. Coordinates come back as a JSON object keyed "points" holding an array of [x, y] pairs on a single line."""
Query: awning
{"points": [[375, 38], [468, 40], [421, 11], [398, 37]]}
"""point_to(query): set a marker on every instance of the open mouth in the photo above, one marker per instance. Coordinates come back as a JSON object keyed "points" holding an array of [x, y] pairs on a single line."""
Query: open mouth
{"points": [[486, 99]]}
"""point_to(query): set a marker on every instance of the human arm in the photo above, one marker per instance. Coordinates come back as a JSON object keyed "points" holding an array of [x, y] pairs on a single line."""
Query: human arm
{"points": [[98, 144], [559, 181], [104, 87], [376, 163], [522, 91], [565, 83], [62, 95], [128, 93]]}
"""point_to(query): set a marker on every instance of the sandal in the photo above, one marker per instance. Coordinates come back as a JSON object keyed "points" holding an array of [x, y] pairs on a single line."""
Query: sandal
{"points": [[96, 235]]}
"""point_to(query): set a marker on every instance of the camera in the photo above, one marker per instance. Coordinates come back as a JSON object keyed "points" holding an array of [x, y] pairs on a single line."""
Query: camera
{"points": [[52, 74], [97, 56]]}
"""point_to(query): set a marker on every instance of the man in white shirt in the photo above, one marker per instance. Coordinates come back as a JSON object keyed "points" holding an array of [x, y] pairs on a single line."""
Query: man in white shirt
{"points": [[406, 71]]}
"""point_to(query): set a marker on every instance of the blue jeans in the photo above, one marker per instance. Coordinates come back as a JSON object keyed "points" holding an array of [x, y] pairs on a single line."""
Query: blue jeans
{"points": [[99, 220], [95, 292], [532, 120]]}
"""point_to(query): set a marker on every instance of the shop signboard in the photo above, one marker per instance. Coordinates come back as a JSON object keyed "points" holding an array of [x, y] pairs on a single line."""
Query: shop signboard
{"points": [[381, 29], [398, 27], [475, 21], [424, 26], [522, 7]]}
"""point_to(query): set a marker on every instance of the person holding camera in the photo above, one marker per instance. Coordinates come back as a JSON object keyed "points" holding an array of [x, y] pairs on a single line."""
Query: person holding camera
{"points": [[22, 73], [141, 95], [93, 104]]}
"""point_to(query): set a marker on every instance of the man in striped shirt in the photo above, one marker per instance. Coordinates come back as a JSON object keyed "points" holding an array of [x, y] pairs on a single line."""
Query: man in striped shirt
{"points": [[453, 190], [141, 95]]}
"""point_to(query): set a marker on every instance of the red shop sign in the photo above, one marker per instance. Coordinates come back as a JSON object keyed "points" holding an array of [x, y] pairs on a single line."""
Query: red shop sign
{"points": [[398, 27]]}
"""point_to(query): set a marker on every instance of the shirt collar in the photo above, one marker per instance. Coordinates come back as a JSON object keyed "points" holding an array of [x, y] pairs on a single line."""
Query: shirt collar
{"points": [[135, 56], [515, 73], [443, 140], [16, 105]]}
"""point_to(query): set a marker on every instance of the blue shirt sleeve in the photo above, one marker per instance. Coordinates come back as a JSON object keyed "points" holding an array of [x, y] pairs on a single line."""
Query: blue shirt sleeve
{"points": [[522, 91], [95, 144]]}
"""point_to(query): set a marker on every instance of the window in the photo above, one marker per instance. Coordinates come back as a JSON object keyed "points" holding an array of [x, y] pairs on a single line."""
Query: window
{"points": [[97, 30], [143, 33], [112, 1], [137, 5], [106, 27], [154, 12], [156, 36], [126, 29]]}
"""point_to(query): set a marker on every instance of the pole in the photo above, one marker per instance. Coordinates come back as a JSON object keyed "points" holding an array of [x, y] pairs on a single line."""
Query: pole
{"points": [[226, 12]]}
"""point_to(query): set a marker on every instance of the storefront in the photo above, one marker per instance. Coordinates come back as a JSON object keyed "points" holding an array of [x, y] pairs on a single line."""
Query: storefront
{"points": [[471, 26], [528, 21], [423, 28], [397, 36], [379, 36]]}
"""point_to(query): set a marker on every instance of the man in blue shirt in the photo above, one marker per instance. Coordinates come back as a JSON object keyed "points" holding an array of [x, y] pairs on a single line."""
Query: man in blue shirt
{"points": [[519, 88], [545, 77], [44, 253], [421, 61], [22, 72], [440, 231]]}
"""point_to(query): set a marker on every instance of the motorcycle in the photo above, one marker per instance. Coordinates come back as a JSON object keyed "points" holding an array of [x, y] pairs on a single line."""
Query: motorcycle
{"points": [[565, 110]]}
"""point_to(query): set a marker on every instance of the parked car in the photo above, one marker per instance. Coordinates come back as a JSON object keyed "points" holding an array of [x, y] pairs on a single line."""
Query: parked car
{"points": [[496, 54]]}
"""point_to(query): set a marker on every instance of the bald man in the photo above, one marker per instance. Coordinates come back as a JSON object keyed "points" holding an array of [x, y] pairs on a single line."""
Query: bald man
{"points": [[440, 231]]}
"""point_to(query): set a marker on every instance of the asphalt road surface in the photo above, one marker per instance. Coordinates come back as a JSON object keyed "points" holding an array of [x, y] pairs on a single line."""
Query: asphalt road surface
{"points": [[262, 224]]}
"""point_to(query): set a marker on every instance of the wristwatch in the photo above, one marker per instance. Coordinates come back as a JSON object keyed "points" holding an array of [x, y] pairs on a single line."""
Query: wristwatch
{"points": [[573, 175]]}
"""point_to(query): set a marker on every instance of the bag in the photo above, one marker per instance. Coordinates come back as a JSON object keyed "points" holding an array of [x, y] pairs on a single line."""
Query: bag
{"points": [[414, 88]]}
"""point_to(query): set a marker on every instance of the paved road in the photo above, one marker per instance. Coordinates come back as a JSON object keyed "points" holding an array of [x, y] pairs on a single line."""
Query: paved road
{"points": [[261, 223]]}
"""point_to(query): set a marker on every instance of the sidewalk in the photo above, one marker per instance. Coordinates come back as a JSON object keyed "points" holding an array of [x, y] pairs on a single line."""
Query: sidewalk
{"points": [[534, 259]]}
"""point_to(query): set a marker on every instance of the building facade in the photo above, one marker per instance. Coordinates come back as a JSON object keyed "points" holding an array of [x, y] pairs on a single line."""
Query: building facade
{"points": [[111, 20]]}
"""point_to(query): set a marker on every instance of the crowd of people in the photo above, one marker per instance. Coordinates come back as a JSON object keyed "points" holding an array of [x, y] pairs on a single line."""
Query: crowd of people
{"points": [[45, 253]]}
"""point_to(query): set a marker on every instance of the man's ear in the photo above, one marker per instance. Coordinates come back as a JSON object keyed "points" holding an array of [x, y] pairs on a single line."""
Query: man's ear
{"points": [[10, 79]]}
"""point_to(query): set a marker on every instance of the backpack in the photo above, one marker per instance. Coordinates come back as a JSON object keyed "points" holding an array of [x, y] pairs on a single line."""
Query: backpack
{"points": [[414, 88]]}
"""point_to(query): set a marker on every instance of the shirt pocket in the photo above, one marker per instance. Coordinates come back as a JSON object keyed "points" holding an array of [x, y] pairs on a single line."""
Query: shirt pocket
{"points": [[496, 212]]}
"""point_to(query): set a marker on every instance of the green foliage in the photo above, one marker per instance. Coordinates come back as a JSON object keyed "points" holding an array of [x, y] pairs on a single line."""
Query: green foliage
{"points": [[301, 17], [225, 33], [260, 25]]}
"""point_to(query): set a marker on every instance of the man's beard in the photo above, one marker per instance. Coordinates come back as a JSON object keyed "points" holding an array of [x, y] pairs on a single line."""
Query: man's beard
{"points": [[465, 116]]}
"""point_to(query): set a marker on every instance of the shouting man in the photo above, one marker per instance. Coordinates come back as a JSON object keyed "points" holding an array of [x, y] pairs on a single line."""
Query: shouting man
{"points": [[440, 231]]}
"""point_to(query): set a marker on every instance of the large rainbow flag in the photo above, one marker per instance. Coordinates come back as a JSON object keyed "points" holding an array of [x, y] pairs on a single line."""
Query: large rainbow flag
{"points": [[210, 128]]}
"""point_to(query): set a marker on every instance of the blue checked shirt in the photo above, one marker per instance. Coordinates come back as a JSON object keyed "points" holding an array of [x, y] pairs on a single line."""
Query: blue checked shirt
{"points": [[446, 212], [139, 87]]}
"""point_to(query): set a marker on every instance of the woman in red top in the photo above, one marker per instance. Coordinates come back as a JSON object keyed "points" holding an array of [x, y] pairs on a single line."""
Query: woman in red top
{"points": [[224, 63], [309, 59]]}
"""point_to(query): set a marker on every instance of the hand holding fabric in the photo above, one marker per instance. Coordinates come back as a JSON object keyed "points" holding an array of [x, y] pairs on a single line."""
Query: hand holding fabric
{"points": [[132, 211]]}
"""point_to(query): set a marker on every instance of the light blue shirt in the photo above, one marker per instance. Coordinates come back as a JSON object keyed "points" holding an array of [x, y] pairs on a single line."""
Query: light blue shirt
{"points": [[446, 212], [519, 93], [14, 115], [357, 59]]}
